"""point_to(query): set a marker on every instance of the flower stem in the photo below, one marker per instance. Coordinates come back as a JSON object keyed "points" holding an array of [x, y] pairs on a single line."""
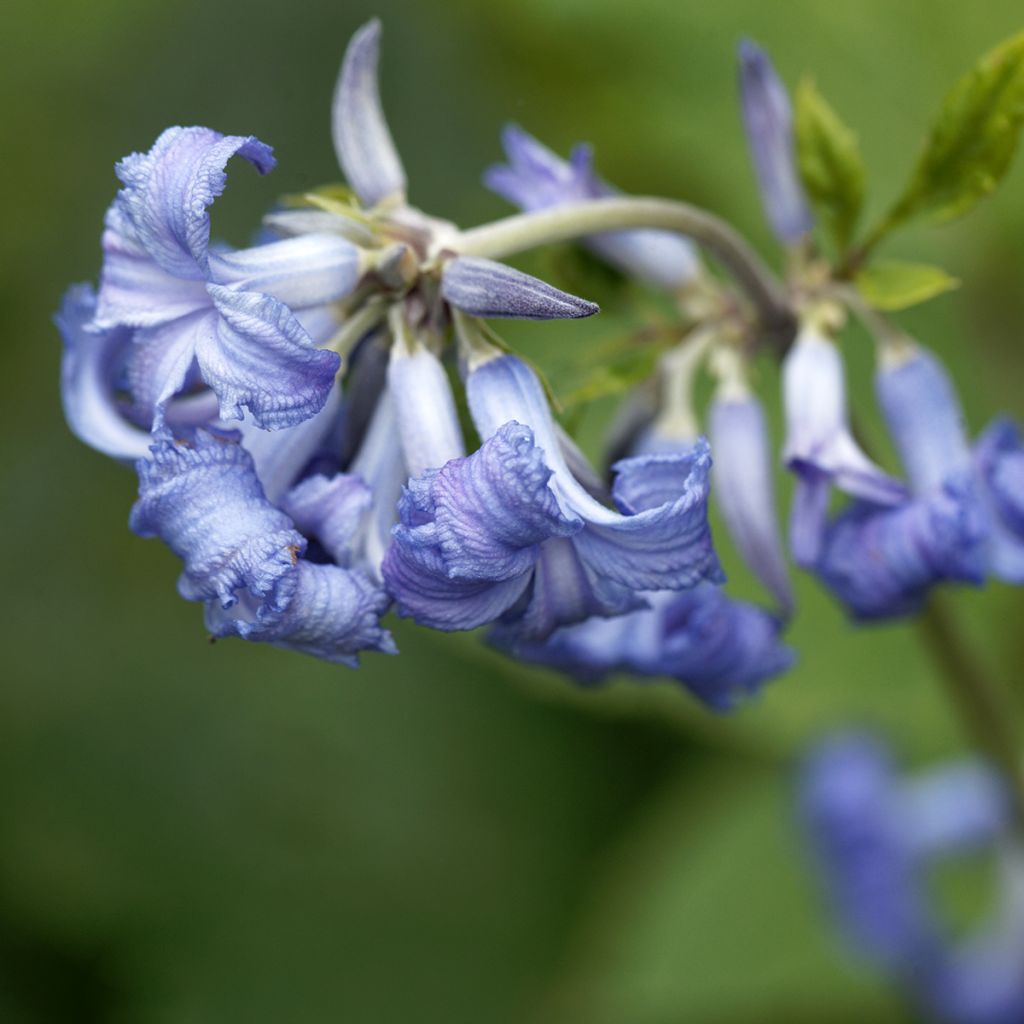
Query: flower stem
{"points": [[525, 231], [983, 706]]}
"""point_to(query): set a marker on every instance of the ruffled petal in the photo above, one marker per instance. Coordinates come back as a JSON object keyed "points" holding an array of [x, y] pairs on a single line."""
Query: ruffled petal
{"points": [[882, 562], [769, 123], [300, 272], [924, 417], [331, 613], [87, 375], [743, 484], [473, 524], [535, 178], [362, 140], [259, 358], [134, 289], [202, 498], [167, 192], [485, 288]]}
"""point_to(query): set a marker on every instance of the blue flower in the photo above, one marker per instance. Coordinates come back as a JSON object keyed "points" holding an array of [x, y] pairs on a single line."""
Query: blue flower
{"points": [[243, 556], [227, 319], [720, 649], [510, 532], [769, 123], [535, 178], [876, 837]]}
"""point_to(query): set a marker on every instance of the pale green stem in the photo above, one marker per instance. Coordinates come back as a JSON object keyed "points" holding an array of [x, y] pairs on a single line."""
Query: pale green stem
{"points": [[589, 217]]}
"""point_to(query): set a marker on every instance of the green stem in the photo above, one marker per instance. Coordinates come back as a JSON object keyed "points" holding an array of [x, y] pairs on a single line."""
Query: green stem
{"points": [[984, 707], [589, 217]]}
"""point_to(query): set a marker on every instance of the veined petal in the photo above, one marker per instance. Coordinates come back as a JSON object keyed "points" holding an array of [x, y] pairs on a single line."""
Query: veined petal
{"points": [[881, 562], [331, 613], [424, 406], [743, 483], [202, 498], [87, 379], [259, 358], [536, 178], [485, 288], [999, 463], [924, 418], [300, 272], [333, 510], [135, 290], [167, 192], [362, 140], [769, 123]]}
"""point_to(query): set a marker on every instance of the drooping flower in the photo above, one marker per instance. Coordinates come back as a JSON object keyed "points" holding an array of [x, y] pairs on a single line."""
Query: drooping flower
{"points": [[768, 119], [875, 838], [535, 179], [510, 532]]}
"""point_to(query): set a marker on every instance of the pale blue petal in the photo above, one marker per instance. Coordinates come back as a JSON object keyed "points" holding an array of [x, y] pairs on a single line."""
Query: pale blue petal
{"points": [[333, 510], [331, 613], [362, 140], [88, 371], [999, 463], [168, 190], [485, 288], [301, 272], [768, 119], [259, 358], [202, 498], [742, 480]]}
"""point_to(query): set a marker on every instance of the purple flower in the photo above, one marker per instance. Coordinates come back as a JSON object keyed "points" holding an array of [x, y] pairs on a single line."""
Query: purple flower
{"points": [[228, 319], [875, 838], [535, 179], [768, 119], [720, 649], [243, 556], [510, 532]]}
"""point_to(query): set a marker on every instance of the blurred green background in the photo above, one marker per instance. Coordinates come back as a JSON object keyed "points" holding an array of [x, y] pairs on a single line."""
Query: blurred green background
{"points": [[195, 833]]}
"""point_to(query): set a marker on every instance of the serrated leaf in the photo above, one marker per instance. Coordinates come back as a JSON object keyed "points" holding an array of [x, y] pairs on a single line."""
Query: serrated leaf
{"points": [[830, 163], [891, 285], [972, 143]]}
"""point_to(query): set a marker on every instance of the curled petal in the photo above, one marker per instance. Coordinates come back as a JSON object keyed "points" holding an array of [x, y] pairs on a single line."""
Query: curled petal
{"points": [[87, 378], [301, 272], [719, 649], [769, 123], [330, 613], [362, 140], [487, 289], [881, 562], [202, 498], [924, 418], [258, 357], [743, 483], [535, 178], [167, 192]]}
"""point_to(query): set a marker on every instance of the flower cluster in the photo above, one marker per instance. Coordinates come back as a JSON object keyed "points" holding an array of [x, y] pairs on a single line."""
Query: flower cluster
{"points": [[876, 836]]}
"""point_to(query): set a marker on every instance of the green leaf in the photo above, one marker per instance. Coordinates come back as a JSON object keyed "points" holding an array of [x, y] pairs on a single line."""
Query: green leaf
{"points": [[891, 285], [972, 143], [830, 163]]}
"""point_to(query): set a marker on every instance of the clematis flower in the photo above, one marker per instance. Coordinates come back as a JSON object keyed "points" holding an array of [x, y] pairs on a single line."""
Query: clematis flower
{"points": [[820, 449], [535, 179], [883, 561], [875, 838], [243, 556], [768, 119], [510, 532]]}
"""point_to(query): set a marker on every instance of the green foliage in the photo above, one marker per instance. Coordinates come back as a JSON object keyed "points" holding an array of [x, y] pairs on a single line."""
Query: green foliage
{"points": [[972, 142], [830, 163], [892, 284]]}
